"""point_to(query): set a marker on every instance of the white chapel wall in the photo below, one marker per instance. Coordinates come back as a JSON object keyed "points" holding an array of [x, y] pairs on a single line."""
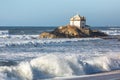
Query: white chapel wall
{"points": [[77, 23], [72, 23]]}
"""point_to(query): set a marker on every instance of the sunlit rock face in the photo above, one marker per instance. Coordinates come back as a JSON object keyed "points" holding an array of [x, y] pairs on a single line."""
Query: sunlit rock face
{"points": [[47, 35]]}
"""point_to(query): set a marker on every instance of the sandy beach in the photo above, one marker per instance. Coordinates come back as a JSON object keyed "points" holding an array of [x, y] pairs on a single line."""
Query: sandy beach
{"points": [[113, 75]]}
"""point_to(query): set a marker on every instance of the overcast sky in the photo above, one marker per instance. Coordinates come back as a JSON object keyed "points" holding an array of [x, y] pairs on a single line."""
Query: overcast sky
{"points": [[58, 12]]}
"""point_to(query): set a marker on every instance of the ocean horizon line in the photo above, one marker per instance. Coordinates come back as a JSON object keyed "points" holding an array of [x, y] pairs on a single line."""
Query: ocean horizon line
{"points": [[29, 26], [53, 26]]}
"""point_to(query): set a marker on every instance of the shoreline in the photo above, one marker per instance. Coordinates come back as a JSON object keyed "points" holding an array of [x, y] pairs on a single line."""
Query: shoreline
{"points": [[112, 75]]}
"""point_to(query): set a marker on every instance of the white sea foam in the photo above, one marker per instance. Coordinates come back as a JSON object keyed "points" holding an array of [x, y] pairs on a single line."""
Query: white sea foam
{"points": [[21, 72], [23, 36], [19, 41], [53, 65], [112, 32], [4, 33]]}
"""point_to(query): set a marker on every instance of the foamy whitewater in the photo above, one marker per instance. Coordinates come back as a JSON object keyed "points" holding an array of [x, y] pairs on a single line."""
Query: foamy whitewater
{"points": [[23, 56]]}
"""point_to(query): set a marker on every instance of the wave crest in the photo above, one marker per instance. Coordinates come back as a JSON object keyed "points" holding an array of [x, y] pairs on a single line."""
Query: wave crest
{"points": [[50, 65]]}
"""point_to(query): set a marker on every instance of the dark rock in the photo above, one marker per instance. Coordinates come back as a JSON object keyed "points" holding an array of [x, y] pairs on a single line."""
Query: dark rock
{"points": [[96, 33], [72, 32]]}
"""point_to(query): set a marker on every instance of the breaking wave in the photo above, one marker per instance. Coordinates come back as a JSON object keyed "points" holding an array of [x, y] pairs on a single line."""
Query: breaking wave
{"points": [[53, 65], [4, 33], [37, 42], [112, 31]]}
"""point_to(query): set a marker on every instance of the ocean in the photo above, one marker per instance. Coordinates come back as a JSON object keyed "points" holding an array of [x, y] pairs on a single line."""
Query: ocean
{"points": [[24, 56]]}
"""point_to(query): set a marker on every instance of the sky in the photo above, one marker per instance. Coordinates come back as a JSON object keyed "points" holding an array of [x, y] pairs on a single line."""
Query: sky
{"points": [[58, 12]]}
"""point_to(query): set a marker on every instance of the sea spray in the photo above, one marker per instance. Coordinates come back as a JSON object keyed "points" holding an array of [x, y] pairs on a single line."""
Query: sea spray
{"points": [[24, 71], [20, 72], [101, 64], [50, 65]]}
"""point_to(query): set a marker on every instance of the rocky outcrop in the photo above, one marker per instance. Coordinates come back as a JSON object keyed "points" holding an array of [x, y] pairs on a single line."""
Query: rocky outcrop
{"points": [[47, 35], [71, 32]]}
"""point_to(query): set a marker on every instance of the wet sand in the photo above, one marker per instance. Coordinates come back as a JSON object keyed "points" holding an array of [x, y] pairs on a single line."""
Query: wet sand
{"points": [[113, 75]]}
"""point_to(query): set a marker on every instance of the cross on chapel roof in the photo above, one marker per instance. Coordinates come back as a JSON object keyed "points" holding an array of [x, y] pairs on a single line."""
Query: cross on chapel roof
{"points": [[78, 18]]}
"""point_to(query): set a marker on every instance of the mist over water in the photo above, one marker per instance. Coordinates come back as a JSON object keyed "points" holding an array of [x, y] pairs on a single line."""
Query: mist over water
{"points": [[23, 56]]}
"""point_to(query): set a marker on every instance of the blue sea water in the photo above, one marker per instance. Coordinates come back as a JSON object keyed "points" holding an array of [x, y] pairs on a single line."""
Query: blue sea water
{"points": [[24, 56]]}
